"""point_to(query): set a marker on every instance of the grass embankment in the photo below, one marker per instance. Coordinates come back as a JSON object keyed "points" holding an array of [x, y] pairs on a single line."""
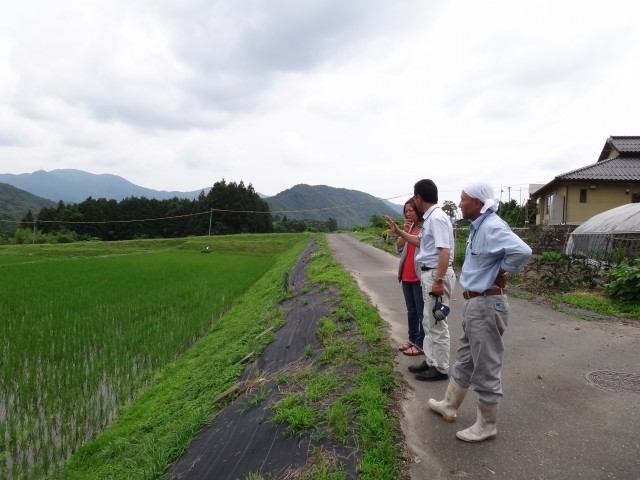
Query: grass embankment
{"points": [[346, 393], [88, 327]]}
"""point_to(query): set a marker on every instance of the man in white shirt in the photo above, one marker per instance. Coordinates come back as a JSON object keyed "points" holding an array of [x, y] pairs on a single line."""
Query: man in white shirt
{"points": [[434, 266]]}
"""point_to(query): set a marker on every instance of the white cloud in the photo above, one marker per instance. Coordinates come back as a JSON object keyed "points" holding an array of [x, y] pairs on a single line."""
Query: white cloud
{"points": [[369, 95]]}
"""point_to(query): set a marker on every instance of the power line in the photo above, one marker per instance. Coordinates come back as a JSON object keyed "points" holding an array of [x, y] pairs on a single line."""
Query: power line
{"points": [[209, 211]]}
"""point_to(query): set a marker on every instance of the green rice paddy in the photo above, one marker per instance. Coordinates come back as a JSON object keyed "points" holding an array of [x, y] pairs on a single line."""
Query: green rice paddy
{"points": [[86, 328]]}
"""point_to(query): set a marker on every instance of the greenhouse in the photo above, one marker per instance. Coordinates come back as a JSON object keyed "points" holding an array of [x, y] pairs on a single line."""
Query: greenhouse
{"points": [[615, 232]]}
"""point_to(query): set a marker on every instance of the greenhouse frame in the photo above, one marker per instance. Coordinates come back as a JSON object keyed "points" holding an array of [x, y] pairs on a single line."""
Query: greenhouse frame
{"points": [[615, 232]]}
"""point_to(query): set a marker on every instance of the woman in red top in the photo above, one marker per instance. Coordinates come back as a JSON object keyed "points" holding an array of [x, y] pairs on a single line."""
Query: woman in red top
{"points": [[411, 281]]}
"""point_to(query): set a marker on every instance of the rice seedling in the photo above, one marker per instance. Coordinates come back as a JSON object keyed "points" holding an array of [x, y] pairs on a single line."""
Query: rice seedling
{"points": [[83, 331]]}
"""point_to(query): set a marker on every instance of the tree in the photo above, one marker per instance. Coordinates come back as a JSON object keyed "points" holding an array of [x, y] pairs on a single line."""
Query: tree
{"points": [[450, 208], [27, 220], [378, 221], [231, 207], [237, 209], [512, 213]]}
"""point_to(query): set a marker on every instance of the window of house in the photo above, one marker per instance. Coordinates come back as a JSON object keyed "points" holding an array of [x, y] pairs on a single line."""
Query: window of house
{"points": [[583, 195], [635, 198]]}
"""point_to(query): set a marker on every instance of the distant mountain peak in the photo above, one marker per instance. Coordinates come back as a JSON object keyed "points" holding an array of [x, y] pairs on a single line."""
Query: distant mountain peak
{"points": [[74, 186], [319, 202]]}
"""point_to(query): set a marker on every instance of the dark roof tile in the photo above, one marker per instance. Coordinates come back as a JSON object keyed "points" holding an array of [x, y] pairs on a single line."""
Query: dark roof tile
{"points": [[626, 144], [612, 169]]}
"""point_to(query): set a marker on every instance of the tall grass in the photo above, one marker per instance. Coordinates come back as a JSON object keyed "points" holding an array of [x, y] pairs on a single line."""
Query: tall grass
{"points": [[84, 329]]}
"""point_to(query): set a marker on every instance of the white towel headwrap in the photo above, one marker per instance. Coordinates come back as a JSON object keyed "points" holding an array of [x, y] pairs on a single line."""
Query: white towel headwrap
{"points": [[483, 192]]}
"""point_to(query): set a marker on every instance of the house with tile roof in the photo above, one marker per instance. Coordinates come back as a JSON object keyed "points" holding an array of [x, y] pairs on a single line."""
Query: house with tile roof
{"points": [[574, 197]]}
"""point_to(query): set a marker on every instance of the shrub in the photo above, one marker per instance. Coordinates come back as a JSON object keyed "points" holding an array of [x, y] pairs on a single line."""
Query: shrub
{"points": [[565, 272], [624, 282]]}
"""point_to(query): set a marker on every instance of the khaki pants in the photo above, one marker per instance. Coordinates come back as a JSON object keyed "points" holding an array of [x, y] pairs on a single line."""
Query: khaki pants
{"points": [[436, 334], [480, 350]]}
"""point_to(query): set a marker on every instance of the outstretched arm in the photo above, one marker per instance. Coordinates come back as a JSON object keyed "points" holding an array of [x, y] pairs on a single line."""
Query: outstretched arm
{"points": [[407, 237]]}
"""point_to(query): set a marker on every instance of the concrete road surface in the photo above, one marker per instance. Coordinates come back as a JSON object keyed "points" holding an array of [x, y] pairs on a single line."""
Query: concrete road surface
{"points": [[571, 405]]}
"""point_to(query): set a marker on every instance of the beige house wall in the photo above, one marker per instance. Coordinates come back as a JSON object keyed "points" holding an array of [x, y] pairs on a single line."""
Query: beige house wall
{"points": [[541, 215], [599, 199], [604, 196]]}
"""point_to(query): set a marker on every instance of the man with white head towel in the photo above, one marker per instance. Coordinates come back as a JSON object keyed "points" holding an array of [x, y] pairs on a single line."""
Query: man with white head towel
{"points": [[493, 251]]}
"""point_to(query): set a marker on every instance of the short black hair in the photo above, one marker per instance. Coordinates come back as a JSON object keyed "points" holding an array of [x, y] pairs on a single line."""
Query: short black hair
{"points": [[427, 190]]}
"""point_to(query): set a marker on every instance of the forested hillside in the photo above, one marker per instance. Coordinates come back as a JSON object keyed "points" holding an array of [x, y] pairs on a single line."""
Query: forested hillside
{"points": [[15, 203], [227, 208], [224, 208], [320, 202]]}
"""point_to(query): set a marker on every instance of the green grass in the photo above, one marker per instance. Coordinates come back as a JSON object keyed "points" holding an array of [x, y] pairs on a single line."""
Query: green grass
{"points": [[598, 303], [97, 332], [371, 383], [345, 393], [372, 236], [92, 326], [338, 418], [166, 417], [298, 413], [523, 295]]}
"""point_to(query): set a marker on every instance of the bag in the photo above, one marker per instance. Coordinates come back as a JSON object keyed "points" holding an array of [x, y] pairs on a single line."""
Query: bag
{"points": [[439, 310]]}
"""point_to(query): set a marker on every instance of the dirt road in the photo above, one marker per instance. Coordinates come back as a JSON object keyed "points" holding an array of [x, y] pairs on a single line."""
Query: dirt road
{"points": [[572, 390]]}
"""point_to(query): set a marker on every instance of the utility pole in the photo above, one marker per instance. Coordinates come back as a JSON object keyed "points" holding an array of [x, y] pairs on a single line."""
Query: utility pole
{"points": [[34, 232], [210, 217]]}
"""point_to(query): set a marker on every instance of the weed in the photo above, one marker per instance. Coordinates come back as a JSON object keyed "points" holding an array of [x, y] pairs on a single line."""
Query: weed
{"points": [[342, 314], [338, 415], [257, 399], [371, 384], [340, 351], [282, 379], [322, 385], [308, 351], [598, 303], [624, 282], [326, 329], [299, 415]]}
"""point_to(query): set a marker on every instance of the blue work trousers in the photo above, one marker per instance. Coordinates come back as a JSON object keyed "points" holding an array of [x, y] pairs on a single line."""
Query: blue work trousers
{"points": [[415, 311]]}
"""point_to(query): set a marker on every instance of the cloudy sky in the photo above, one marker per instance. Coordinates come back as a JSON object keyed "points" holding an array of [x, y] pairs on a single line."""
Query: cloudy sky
{"points": [[370, 95]]}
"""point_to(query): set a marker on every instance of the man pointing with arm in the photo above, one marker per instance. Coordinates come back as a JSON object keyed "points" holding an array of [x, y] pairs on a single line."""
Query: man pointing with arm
{"points": [[434, 265]]}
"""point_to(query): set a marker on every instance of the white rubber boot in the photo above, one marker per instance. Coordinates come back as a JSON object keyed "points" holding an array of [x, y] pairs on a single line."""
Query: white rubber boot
{"points": [[485, 426], [452, 401]]}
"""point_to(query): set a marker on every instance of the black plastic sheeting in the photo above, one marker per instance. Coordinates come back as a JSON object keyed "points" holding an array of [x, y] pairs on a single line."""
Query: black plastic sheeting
{"points": [[242, 441]]}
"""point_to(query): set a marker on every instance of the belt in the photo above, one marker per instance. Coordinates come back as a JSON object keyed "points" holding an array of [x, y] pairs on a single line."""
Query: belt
{"points": [[426, 269], [491, 291]]}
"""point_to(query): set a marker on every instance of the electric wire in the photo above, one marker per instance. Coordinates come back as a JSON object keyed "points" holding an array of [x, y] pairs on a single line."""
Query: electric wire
{"points": [[222, 210]]}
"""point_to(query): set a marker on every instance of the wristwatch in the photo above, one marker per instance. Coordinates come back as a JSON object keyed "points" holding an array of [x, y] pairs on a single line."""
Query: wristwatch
{"points": [[439, 280]]}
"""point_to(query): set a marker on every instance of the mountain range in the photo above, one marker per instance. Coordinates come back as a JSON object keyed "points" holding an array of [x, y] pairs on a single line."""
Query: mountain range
{"points": [[74, 186], [33, 191]]}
